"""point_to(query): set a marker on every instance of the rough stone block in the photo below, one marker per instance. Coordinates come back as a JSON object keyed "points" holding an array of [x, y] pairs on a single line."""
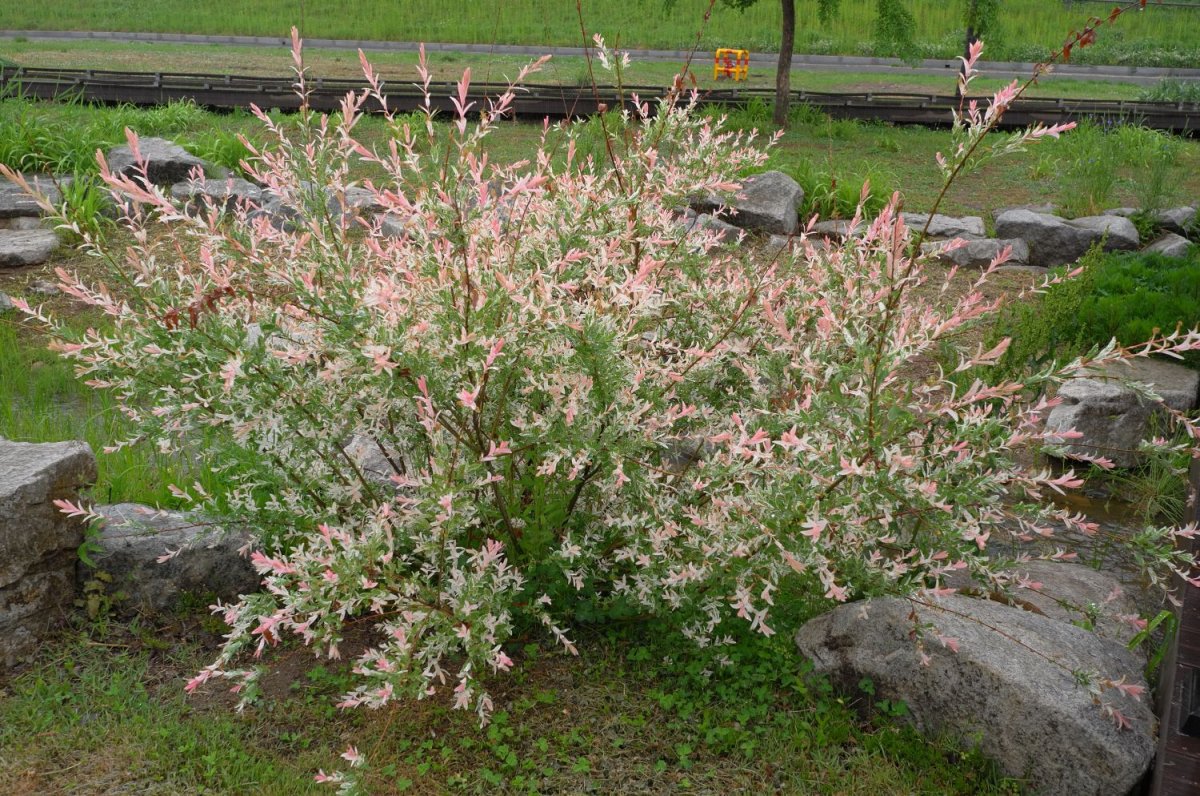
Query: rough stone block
{"points": [[1010, 687], [38, 543], [133, 538], [166, 162]]}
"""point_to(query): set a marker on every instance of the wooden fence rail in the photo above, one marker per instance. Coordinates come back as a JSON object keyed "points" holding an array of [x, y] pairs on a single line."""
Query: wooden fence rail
{"points": [[1177, 769], [559, 101]]}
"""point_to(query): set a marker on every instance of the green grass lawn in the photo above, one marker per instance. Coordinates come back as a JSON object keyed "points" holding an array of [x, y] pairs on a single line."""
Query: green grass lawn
{"points": [[41, 400], [1029, 30], [106, 713]]}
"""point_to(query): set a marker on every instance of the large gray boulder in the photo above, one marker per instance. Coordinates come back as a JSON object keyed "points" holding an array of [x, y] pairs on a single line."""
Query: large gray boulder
{"points": [[1051, 240], [1056, 241], [978, 253], [378, 464], [967, 227], [1178, 386], [1119, 234], [837, 229], [167, 163], [223, 194], [1171, 245], [726, 233], [279, 214], [311, 202], [1010, 687], [393, 225], [38, 543], [1180, 220], [1111, 418], [378, 459], [767, 203], [778, 246], [1044, 208], [16, 203], [1111, 415], [23, 223], [352, 205], [133, 538], [353, 202], [1080, 595], [21, 247]]}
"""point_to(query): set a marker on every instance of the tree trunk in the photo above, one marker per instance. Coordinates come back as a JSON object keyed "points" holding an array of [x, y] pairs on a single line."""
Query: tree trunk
{"points": [[783, 73]]}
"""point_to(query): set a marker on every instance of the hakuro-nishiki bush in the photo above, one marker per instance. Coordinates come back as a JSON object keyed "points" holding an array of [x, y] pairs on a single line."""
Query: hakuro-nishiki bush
{"points": [[541, 394]]}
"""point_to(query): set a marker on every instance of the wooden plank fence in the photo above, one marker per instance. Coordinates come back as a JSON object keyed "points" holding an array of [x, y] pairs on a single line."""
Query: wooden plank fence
{"points": [[1177, 768], [558, 101]]}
